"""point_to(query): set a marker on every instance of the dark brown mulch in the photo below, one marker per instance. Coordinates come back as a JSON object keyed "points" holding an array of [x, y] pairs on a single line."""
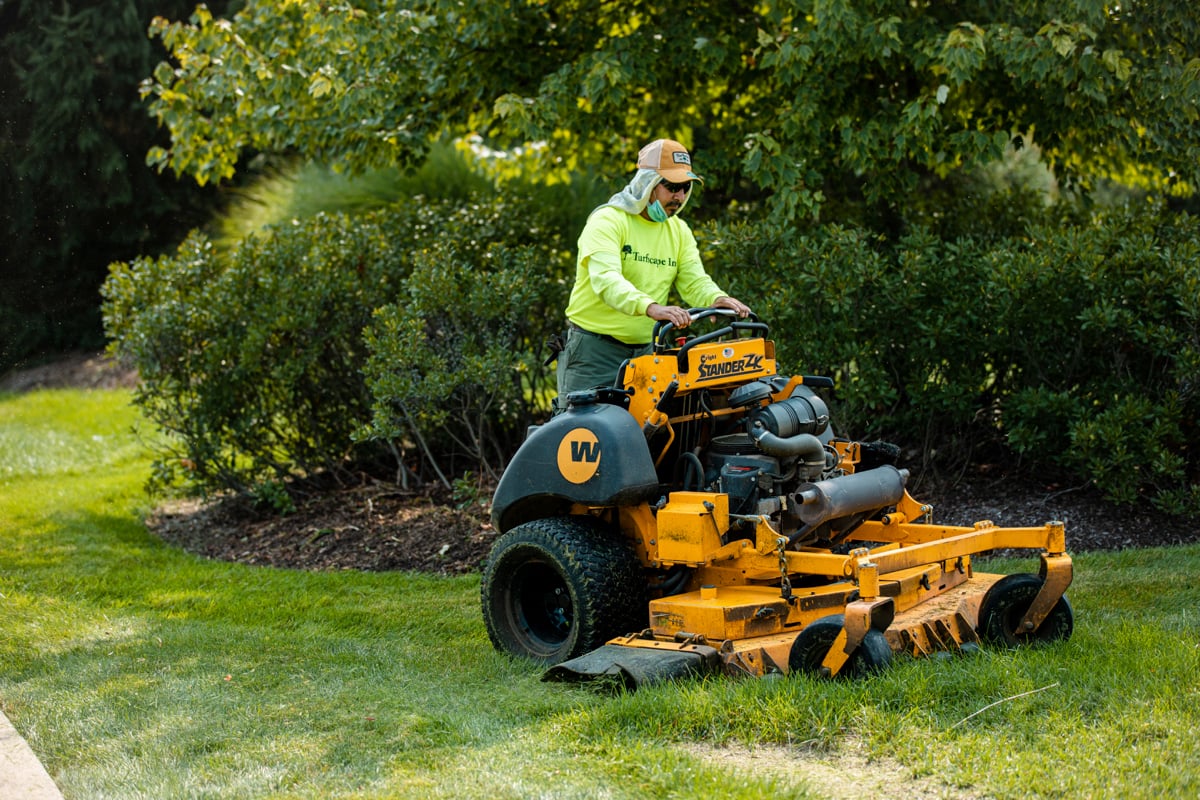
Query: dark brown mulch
{"points": [[369, 528], [1092, 522], [377, 528]]}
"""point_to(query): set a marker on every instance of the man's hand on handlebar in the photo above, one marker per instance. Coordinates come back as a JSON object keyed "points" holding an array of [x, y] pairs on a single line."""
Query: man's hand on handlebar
{"points": [[675, 315], [734, 305], [681, 318]]}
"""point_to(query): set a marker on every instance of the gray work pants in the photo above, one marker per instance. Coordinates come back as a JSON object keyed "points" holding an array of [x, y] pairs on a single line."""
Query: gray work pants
{"points": [[590, 360]]}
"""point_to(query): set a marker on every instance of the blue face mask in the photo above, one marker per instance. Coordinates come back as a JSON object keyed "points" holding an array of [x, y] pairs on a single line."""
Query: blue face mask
{"points": [[656, 212]]}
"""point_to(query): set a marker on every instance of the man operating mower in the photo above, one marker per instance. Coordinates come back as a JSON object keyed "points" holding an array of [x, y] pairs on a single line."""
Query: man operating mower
{"points": [[632, 251]]}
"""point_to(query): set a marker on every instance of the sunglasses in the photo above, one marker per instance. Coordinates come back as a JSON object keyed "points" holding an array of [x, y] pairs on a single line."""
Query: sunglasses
{"points": [[684, 187]]}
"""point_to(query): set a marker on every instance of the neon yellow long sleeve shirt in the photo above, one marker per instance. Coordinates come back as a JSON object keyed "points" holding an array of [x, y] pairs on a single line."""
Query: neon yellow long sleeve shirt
{"points": [[625, 263]]}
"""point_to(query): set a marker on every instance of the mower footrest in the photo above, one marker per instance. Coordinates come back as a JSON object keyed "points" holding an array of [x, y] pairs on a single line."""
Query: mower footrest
{"points": [[635, 666]]}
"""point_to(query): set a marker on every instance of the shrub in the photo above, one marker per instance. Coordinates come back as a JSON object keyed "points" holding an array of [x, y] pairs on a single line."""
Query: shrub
{"points": [[253, 360], [418, 329], [456, 368], [1077, 347], [1116, 356], [256, 360], [458, 383]]}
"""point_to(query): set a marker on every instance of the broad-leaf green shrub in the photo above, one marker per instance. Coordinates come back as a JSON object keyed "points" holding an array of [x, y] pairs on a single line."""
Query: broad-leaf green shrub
{"points": [[1074, 346], [900, 327], [816, 291], [252, 359], [456, 366], [456, 370], [256, 359], [1110, 358]]}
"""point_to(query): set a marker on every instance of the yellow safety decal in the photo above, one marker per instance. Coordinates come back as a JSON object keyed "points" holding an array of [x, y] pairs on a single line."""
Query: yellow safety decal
{"points": [[579, 455]]}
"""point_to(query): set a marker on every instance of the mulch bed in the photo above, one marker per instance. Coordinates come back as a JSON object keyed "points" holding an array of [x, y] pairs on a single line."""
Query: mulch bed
{"points": [[368, 528], [377, 527]]}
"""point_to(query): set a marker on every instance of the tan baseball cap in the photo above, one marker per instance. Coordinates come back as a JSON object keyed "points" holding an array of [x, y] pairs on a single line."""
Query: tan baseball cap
{"points": [[670, 159]]}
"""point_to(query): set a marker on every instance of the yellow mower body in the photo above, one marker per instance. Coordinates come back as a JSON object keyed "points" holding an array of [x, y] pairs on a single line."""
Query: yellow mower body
{"points": [[919, 588], [709, 491]]}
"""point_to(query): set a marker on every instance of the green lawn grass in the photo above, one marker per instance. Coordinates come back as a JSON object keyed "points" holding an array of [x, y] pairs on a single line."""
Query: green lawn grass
{"points": [[135, 670]]}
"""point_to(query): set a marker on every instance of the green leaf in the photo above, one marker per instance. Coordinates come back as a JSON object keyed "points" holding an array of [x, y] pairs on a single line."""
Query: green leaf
{"points": [[320, 85]]}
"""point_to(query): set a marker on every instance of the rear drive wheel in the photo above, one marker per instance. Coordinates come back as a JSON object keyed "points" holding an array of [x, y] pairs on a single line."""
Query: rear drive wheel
{"points": [[811, 646], [557, 588], [1005, 605]]}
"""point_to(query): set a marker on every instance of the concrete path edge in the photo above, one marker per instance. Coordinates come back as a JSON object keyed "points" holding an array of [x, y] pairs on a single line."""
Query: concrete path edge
{"points": [[22, 776]]}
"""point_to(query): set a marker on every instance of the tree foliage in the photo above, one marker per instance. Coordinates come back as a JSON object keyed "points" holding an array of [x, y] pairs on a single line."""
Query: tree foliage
{"points": [[807, 103], [74, 188], [949, 311]]}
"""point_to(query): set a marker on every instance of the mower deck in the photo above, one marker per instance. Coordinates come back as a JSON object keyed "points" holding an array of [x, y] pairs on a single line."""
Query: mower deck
{"points": [[746, 629], [944, 623]]}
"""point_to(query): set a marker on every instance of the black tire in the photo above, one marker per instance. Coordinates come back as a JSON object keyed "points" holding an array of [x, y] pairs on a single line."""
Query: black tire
{"points": [[1005, 605], [557, 588], [810, 647]]}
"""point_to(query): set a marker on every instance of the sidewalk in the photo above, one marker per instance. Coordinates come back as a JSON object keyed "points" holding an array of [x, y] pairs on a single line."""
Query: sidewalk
{"points": [[22, 776]]}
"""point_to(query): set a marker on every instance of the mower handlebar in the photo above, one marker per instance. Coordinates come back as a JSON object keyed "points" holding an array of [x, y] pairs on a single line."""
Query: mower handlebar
{"points": [[664, 329]]}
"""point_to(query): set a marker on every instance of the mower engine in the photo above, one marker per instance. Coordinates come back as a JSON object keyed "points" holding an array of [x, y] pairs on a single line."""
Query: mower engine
{"points": [[780, 448]]}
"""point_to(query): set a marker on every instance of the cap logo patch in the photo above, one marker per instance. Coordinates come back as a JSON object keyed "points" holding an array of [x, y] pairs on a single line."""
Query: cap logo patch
{"points": [[681, 158]]}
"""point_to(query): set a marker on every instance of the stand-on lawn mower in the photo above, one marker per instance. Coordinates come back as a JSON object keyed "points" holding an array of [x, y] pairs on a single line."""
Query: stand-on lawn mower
{"points": [[701, 515]]}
